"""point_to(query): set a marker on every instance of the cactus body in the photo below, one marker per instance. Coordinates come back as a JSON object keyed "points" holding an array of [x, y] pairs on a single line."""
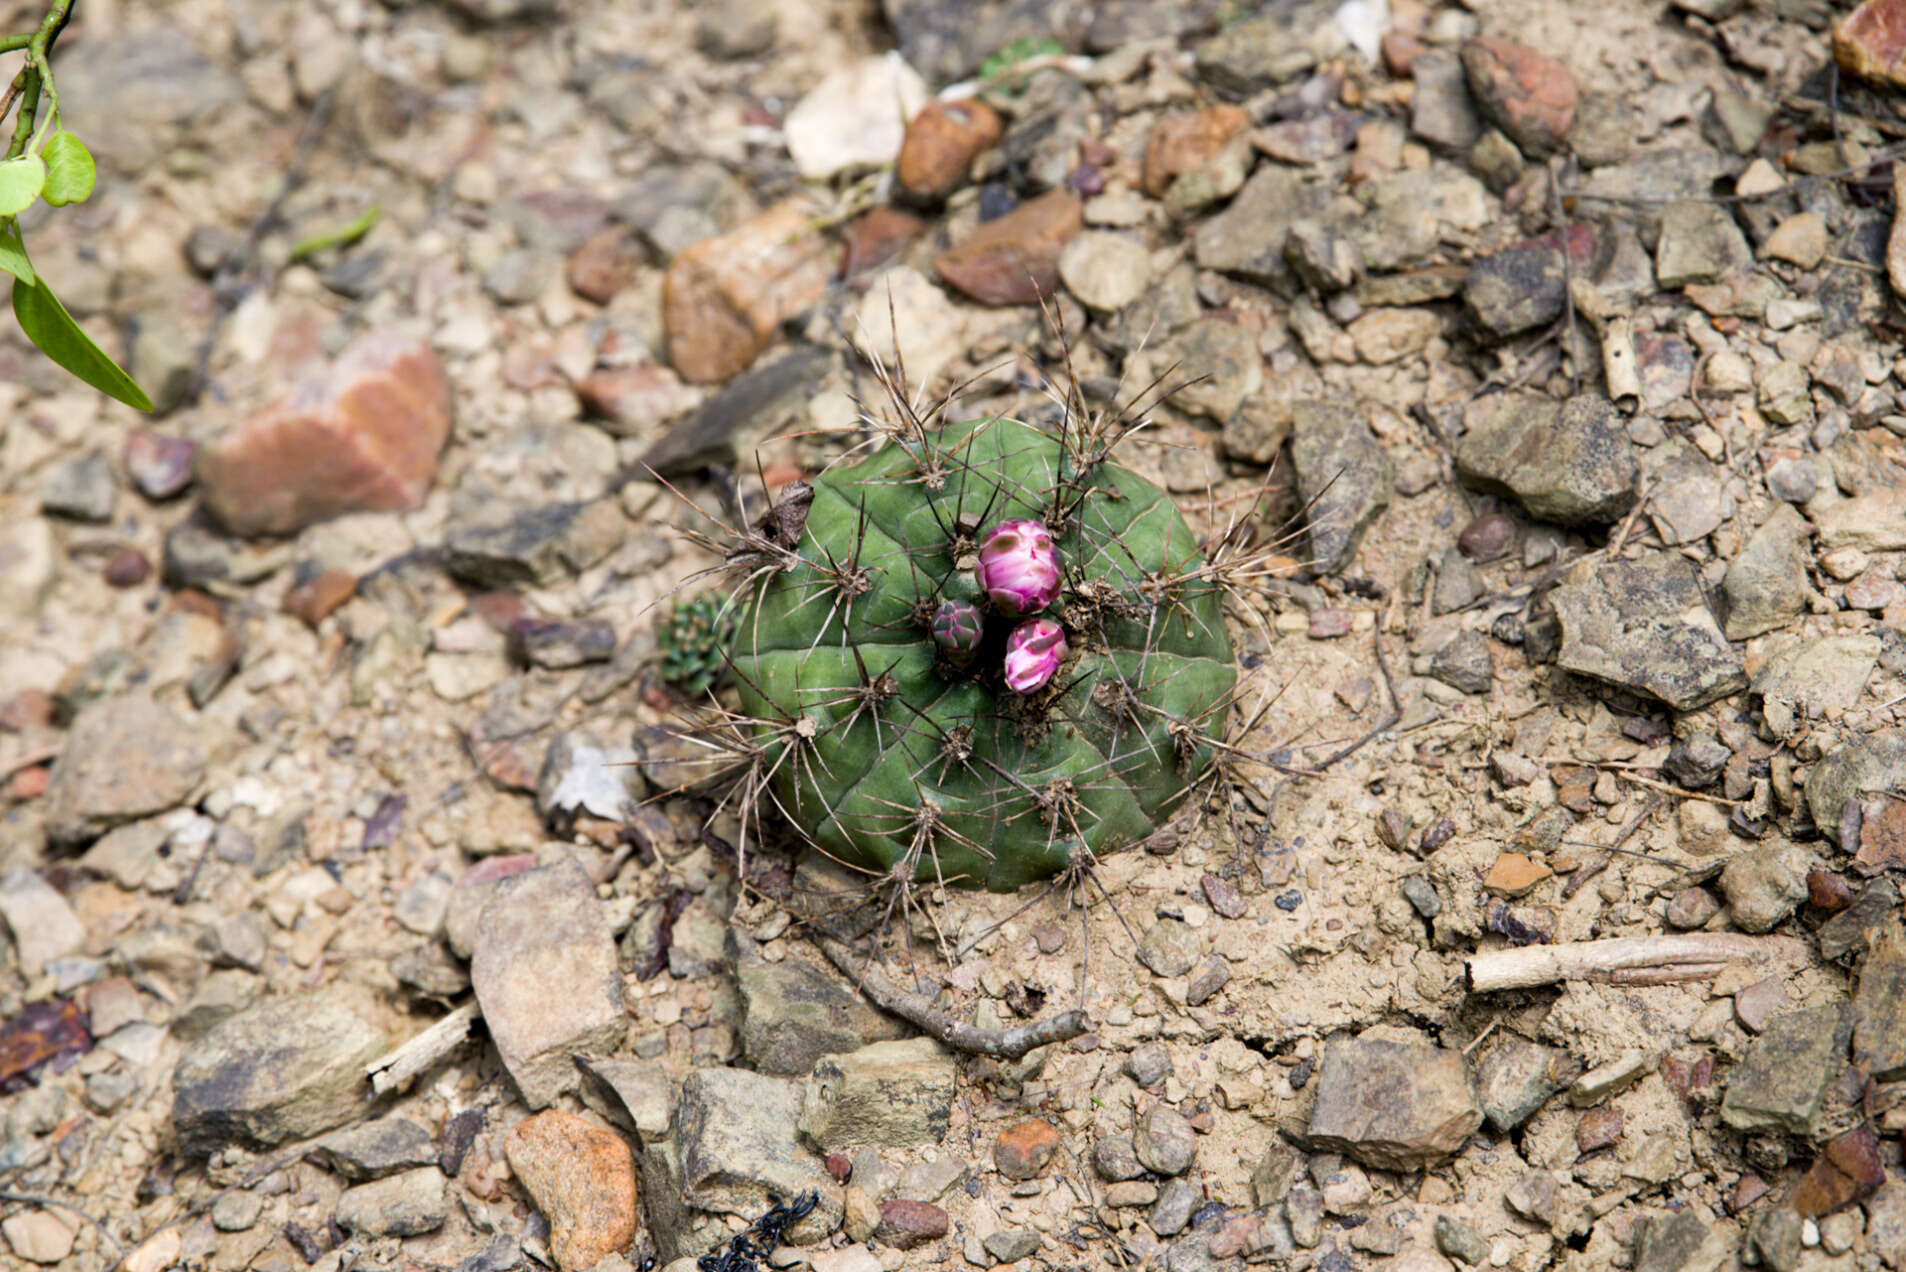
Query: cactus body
{"points": [[887, 753], [694, 642]]}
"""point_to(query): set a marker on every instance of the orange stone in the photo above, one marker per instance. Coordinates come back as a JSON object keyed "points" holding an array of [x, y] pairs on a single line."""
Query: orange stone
{"points": [[1187, 142], [605, 263], [362, 435], [1514, 874], [1528, 95], [1871, 41], [313, 600], [941, 143], [723, 298], [582, 1178], [1023, 1150], [1014, 260]]}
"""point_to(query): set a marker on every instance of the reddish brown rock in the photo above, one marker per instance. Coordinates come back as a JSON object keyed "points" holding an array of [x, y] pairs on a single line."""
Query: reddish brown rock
{"points": [[583, 1180], [1023, 1150], [1599, 1128], [1514, 874], [906, 1224], [637, 400], [312, 601], [877, 237], [126, 567], [1882, 838], [1486, 537], [1186, 142], [29, 783], [27, 709], [942, 142], [362, 435], [1847, 1169], [159, 466], [1828, 891], [605, 263], [723, 297], [1014, 260], [1529, 96], [1871, 41]]}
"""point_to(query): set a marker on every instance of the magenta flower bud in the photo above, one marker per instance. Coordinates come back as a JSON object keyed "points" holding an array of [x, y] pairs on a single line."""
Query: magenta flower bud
{"points": [[958, 629], [1018, 566], [1033, 653]]}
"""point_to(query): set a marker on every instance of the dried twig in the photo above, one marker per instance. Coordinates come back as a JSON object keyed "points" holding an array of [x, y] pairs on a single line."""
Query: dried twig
{"points": [[395, 1069], [1638, 960], [917, 1009]]}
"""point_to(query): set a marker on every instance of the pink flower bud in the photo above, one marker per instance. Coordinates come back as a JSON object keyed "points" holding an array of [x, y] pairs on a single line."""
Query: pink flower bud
{"points": [[958, 629], [1018, 566], [1033, 652]]}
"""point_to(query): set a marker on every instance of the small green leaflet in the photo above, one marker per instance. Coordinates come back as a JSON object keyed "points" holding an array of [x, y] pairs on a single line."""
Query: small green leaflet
{"points": [[13, 252], [20, 182], [69, 170], [48, 325]]}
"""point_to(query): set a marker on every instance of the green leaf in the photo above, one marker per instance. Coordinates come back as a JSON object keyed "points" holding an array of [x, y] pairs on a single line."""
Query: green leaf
{"points": [[13, 252], [20, 182], [69, 170], [48, 325]]}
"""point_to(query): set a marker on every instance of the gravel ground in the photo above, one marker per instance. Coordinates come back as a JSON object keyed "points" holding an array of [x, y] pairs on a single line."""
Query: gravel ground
{"points": [[365, 910]]}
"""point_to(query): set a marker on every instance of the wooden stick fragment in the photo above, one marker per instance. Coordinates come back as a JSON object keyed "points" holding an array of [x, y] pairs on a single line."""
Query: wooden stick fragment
{"points": [[917, 1009], [1636, 960], [395, 1069]]}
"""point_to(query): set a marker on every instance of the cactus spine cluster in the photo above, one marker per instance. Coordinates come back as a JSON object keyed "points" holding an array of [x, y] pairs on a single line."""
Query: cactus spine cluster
{"points": [[923, 706]]}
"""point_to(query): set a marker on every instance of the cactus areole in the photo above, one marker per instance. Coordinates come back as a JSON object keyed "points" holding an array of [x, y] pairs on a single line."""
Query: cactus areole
{"points": [[896, 742]]}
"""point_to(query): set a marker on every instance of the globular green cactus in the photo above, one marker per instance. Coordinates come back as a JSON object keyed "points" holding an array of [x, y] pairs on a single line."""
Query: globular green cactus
{"points": [[892, 745], [695, 642]]}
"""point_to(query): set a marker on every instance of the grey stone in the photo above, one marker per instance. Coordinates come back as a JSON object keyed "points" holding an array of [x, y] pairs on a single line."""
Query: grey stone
{"points": [[1172, 1211], [1226, 356], [1815, 677], [656, 202], [1115, 1159], [1248, 237], [1324, 259], [283, 1070], [633, 1093], [1458, 583], [1793, 480], [1658, 176], [220, 995], [1855, 928], [793, 1013], [1421, 895], [1495, 159], [1781, 1082], [1863, 765], [1764, 884], [1567, 462], [1212, 977], [237, 1210], [887, 1095], [947, 42], [1775, 1234], [1686, 502], [1465, 663], [735, 29], [1277, 44], [121, 91], [1167, 306], [42, 924], [1696, 760], [163, 354], [430, 969], [1460, 1241], [1010, 1245], [502, 548], [1879, 1007], [1518, 288], [1440, 110], [736, 1133], [1784, 394], [81, 489], [125, 758], [406, 1205], [545, 973], [1699, 243], [1644, 626], [1603, 131], [752, 404], [1170, 948], [197, 556], [1394, 1105], [1106, 271], [1148, 1064], [929, 1181], [1163, 1140], [372, 1150], [1344, 478], [1766, 583]]}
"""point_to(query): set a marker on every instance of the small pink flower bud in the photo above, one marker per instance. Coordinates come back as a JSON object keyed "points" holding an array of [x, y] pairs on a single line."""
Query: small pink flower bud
{"points": [[1018, 566], [958, 629], [1033, 652]]}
